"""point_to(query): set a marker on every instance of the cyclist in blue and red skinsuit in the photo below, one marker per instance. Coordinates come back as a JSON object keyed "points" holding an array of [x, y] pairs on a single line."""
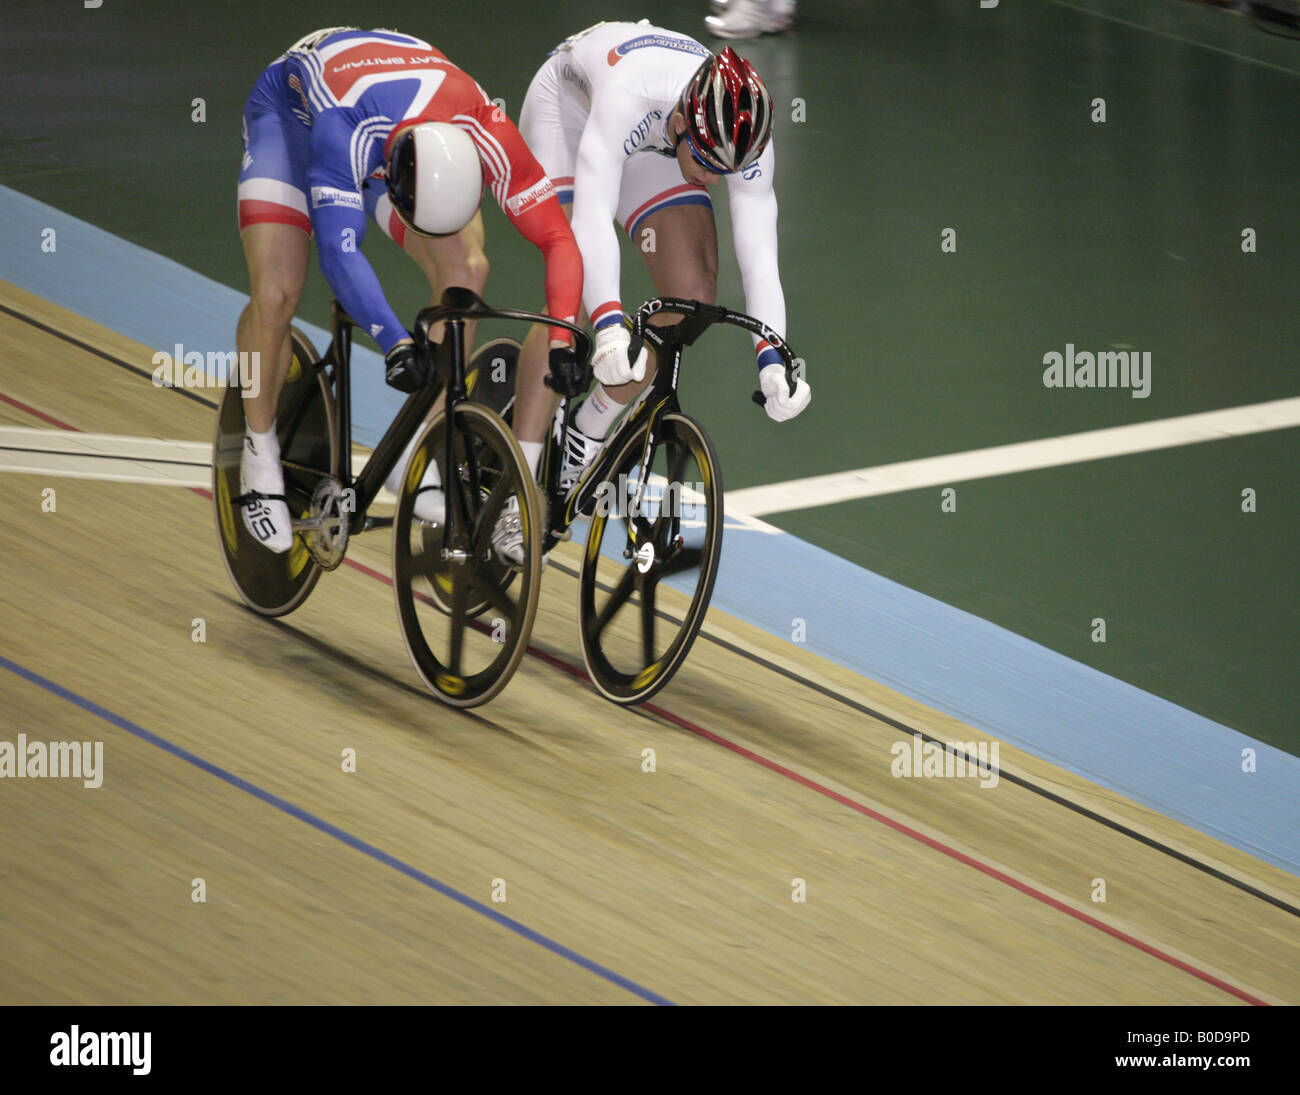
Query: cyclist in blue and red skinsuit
{"points": [[328, 129]]}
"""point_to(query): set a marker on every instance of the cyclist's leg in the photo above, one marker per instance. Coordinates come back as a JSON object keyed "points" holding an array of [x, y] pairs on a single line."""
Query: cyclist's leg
{"points": [[670, 222], [276, 235], [275, 229], [445, 262], [552, 128], [277, 257], [683, 261], [674, 232]]}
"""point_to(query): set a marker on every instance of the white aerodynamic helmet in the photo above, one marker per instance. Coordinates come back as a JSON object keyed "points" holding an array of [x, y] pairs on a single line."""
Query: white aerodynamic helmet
{"points": [[435, 178]]}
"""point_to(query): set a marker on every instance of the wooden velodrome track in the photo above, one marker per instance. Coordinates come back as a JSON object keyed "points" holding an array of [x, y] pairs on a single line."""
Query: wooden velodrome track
{"points": [[620, 885]]}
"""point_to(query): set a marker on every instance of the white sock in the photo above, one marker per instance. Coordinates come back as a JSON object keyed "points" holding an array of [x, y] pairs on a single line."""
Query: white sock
{"points": [[532, 451], [266, 446], [597, 413]]}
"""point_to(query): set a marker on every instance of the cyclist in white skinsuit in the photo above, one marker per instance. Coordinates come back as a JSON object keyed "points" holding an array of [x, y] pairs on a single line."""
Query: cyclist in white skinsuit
{"points": [[604, 116]]}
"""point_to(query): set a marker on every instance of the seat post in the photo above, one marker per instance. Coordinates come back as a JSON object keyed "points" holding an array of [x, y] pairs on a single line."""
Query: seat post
{"points": [[343, 390]]}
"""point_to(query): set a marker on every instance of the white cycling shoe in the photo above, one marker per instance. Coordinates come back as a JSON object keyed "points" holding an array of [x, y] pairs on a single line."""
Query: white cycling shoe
{"points": [[267, 519], [750, 18], [508, 535], [579, 451]]}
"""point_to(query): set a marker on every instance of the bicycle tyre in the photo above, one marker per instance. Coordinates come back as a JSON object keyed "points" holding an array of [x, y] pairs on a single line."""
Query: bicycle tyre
{"points": [[496, 455], [675, 430]]}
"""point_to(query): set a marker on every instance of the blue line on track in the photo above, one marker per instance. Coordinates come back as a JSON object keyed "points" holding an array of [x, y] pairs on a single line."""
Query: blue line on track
{"points": [[351, 841]]}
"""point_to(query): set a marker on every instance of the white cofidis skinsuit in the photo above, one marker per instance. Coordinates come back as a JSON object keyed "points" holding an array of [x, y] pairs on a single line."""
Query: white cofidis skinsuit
{"points": [[596, 117]]}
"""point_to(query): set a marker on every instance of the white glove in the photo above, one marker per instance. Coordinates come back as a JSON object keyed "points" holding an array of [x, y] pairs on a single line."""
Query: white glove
{"points": [[781, 405], [610, 363]]}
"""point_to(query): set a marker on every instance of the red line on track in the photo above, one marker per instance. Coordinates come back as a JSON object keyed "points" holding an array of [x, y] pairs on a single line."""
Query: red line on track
{"points": [[813, 785], [39, 414], [953, 853], [937, 845]]}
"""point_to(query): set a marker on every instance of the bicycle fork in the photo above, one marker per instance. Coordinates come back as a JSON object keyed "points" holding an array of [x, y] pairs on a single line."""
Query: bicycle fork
{"points": [[456, 534]]}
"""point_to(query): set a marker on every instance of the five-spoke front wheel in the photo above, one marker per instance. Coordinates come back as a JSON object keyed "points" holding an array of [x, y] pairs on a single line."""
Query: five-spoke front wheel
{"points": [[657, 526], [444, 574]]}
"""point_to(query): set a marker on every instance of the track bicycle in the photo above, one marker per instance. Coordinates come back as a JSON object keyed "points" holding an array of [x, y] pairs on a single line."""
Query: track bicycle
{"points": [[445, 576], [654, 501]]}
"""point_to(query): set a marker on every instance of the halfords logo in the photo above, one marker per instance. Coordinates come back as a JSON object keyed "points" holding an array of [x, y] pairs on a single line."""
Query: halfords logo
{"points": [[78, 1047], [536, 193], [329, 195], [648, 41]]}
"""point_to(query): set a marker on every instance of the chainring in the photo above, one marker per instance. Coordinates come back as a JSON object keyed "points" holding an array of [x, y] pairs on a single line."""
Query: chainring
{"points": [[328, 522]]}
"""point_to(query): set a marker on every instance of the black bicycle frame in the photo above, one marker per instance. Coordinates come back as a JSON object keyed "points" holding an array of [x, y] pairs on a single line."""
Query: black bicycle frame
{"points": [[661, 399], [448, 360]]}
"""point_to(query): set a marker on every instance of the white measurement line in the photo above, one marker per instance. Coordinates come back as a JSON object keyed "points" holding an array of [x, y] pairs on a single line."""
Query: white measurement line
{"points": [[112, 458], [116, 458], [107, 444], [936, 471]]}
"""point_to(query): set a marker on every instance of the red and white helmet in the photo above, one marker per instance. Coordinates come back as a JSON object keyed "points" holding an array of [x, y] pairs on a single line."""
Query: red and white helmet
{"points": [[728, 113]]}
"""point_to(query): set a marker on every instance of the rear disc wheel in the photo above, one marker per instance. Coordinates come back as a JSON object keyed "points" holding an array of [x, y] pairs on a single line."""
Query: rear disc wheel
{"points": [[270, 583]]}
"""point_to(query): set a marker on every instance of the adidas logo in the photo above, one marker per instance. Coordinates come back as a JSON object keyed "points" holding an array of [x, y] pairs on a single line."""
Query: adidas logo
{"points": [[375, 328]]}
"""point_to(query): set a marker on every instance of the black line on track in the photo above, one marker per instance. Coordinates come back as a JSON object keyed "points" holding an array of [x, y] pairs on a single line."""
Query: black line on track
{"points": [[104, 456], [1019, 781], [101, 353], [825, 690]]}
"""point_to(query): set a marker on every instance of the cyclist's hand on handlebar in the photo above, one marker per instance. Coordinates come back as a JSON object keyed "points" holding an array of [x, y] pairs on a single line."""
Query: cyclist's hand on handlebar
{"points": [[403, 368], [780, 404], [567, 376], [610, 361]]}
